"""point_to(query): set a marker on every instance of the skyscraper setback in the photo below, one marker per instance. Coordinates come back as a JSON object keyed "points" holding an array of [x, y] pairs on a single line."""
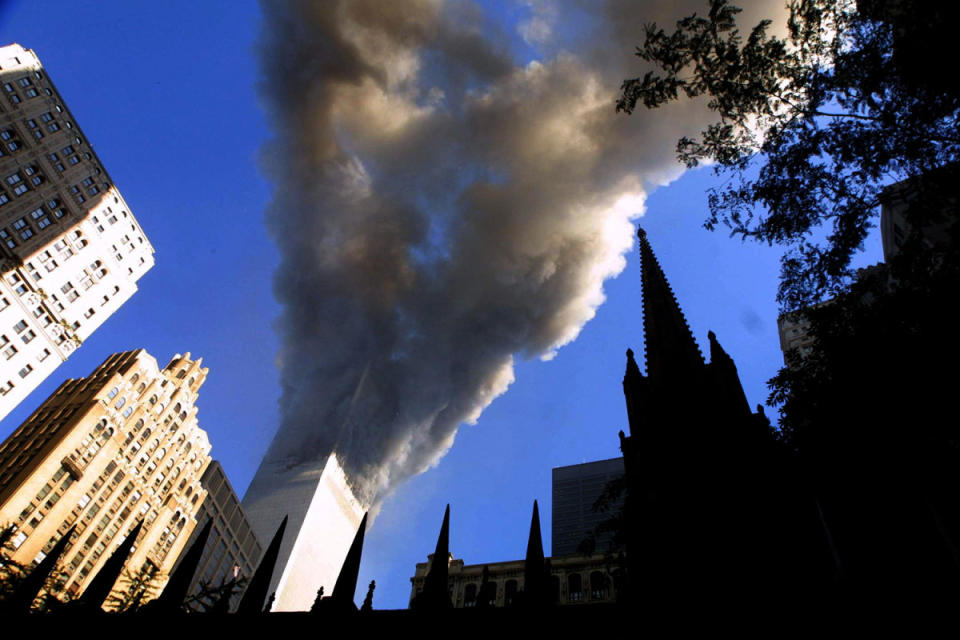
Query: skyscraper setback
{"points": [[102, 453], [71, 251]]}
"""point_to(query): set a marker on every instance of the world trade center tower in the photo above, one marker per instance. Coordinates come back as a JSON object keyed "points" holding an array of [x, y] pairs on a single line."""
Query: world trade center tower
{"points": [[323, 516]]}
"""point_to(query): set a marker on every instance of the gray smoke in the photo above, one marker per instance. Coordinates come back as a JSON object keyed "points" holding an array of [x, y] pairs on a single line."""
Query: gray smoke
{"points": [[442, 208]]}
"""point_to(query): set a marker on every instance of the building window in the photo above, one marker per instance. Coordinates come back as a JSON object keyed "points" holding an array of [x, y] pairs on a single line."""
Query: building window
{"points": [[44, 355], [9, 352], [6, 388], [113, 392], [28, 336], [574, 587], [25, 371], [20, 326]]}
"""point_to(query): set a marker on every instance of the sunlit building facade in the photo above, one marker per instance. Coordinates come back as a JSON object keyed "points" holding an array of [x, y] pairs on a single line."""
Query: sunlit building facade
{"points": [[103, 453], [71, 251]]}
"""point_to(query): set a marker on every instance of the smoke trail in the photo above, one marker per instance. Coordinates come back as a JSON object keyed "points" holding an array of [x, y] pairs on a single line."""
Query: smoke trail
{"points": [[442, 208]]}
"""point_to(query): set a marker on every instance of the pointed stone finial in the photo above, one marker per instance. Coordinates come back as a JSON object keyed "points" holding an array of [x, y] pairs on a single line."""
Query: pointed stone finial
{"points": [[632, 369], [346, 586], [99, 588], [316, 601], [435, 594], [176, 590], [368, 601], [256, 591], [28, 588], [536, 582], [717, 353]]}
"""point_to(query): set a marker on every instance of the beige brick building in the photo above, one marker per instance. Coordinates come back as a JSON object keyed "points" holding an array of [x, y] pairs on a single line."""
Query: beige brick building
{"points": [[70, 250], [102, 453]]}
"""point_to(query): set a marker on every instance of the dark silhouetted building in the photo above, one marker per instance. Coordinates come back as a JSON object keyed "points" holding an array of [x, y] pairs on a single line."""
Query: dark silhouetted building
{"points": [[576, 489]]}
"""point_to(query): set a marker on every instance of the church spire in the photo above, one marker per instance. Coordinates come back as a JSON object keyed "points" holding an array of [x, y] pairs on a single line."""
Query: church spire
{"points": [[670, 348]]}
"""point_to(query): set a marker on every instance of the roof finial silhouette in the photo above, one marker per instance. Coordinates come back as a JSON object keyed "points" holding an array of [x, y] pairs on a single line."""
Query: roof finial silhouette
{"points": [[435, 593], [256, 593], [536, 583], [99, 588], [174, 593], [346, 585]]}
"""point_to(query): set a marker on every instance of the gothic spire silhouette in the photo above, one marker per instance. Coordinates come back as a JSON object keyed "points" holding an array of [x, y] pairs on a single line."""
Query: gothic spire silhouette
{"points": [[29, 588], [99, 588], [176, 590], [669, 346], [435, 593], [536, 581], [346, 586], [256, 593]]}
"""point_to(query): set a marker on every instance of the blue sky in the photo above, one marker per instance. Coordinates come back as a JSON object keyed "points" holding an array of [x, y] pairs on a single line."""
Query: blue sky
{"points": [[166, 94]]}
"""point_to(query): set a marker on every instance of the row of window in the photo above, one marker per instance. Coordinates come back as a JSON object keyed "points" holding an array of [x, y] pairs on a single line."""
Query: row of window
{"points": [[25, 85]]}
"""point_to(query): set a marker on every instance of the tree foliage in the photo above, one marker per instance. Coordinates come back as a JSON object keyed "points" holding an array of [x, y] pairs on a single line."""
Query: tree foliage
{"points": [[810, 127]]}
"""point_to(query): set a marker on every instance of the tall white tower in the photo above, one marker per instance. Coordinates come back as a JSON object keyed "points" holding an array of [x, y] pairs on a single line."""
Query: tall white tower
{"points": [[324, 515]]}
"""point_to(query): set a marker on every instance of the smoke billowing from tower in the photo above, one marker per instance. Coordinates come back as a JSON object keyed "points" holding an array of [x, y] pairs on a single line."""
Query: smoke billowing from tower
{"points": [[442, 205]]}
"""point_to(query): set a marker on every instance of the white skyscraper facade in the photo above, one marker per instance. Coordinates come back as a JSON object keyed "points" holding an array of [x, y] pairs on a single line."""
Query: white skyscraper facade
{"points": [[71, 251], [323, 517]]}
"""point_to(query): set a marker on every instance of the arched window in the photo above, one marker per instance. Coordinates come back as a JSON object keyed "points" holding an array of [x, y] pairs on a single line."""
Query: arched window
{"points": [[136, 376], [128, 411], [113, 392], [509, 592], [142, 387], [183, 415], [182, 374], [122, 401], [574, 587], [176, 408], [153, 399], [139, 424], [599, 586], [470, 596]]}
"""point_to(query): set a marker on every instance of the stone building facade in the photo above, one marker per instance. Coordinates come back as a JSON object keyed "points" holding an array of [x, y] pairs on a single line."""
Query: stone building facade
{"points": [[71, 251], [103, 453], [574, 580]]}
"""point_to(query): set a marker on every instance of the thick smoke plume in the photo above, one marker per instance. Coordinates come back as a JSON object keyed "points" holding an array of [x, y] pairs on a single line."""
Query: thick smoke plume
{"points": [[449, 194]]}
